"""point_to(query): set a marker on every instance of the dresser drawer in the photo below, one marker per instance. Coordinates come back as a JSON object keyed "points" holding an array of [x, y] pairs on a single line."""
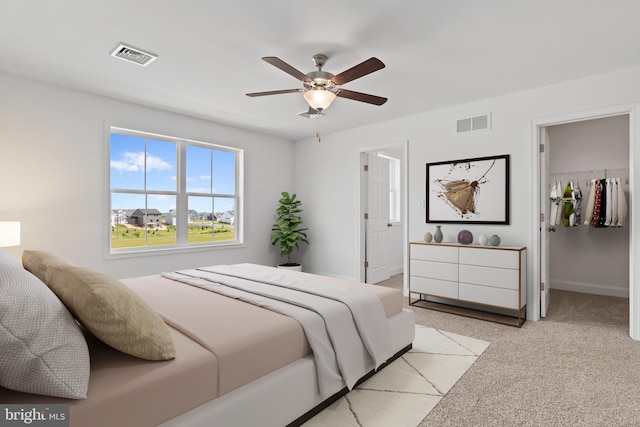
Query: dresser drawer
{"points": [[434, 253], [435, 287], [490, 257], [489, 276], [507, 298], [434, 270]]}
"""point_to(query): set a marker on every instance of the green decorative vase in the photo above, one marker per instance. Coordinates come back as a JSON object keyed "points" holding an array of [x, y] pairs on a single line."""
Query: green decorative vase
{"points": [[494, 240], [428, 237], [437, 236]]}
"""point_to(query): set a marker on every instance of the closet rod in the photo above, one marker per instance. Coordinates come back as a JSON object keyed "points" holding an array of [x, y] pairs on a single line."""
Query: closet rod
{"points": [[591, 171], [594, 173]]}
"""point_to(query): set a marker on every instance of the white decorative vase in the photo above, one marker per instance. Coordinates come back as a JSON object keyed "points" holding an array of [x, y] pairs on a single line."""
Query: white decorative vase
{"points": [[483, 239]]}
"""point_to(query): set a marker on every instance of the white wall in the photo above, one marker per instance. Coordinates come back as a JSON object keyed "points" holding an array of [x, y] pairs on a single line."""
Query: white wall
{"points": [[53, 175], [326, 173], [583, 258]]}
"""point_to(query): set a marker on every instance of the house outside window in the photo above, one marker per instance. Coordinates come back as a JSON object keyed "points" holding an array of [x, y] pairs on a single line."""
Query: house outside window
{"points": [[172, 193]]}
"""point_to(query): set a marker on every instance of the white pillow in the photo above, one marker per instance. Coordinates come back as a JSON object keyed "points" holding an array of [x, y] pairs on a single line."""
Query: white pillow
{"points": [[42, 349]]}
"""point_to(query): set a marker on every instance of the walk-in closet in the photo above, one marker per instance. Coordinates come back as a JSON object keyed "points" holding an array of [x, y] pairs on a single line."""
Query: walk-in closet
{"points": [[586, 156]]}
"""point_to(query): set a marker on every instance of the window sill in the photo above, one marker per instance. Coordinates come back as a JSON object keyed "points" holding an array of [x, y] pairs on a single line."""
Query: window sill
{"points": [[137, 253]]}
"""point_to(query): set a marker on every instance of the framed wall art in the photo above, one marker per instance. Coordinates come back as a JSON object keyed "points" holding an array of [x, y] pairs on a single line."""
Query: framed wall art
{"points": [[469, 191]]}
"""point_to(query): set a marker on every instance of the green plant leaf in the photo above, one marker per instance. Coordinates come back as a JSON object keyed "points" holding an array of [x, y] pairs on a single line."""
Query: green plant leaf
{"points": [[287, 232]]}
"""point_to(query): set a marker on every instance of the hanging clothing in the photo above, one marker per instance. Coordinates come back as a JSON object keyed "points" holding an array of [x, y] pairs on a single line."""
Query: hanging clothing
{"points": [[567, 206], [588, 214], [597, 203], [572, 201], [555, 197], [622, 205], [614, 202], [576, 195], [602, 218], [607, 204], [558, 219]]}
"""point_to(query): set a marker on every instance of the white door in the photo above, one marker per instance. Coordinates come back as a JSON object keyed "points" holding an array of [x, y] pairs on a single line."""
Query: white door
{"points": [[377, 224], [545, 228]]}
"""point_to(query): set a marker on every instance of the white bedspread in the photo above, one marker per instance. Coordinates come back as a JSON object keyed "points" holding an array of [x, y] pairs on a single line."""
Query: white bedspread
{"points": [[346, 328]]}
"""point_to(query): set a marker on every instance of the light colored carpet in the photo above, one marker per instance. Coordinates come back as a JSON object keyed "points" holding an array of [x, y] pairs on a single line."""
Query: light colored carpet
{"points": [[403, 393], [576, 367]]}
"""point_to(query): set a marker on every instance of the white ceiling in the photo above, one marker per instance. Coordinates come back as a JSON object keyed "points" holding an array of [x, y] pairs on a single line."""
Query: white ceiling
{"points": [[437, 53]]}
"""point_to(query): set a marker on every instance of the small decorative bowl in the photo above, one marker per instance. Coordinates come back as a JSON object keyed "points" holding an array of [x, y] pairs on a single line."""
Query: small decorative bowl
{"points": [[465, 237]]}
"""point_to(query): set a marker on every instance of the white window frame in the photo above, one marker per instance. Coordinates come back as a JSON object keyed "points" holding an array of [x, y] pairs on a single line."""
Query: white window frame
{"points": [[395, 191], [182, 197]]}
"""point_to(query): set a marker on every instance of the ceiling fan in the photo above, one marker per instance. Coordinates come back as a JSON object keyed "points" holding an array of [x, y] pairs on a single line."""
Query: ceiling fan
{"points": [[322, 87]]}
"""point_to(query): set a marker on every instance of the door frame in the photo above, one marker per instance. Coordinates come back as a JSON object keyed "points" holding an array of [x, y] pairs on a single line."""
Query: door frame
{"points": [[363, 197], [633, 110]]}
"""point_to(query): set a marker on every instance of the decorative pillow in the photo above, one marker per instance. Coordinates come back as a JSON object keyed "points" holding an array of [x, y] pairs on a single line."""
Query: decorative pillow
{"points": [[42, 349], [112, 312], [38, 263]]}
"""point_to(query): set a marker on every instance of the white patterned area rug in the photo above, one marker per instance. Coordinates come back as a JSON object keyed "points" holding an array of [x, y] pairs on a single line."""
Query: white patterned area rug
{"points": [[403, 393]]}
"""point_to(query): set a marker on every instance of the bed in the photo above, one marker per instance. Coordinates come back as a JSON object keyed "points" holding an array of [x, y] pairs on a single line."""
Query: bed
{"points": [[224, 351]]}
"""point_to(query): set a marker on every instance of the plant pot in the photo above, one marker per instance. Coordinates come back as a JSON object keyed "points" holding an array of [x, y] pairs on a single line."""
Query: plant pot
{"points": [[291, 266]]}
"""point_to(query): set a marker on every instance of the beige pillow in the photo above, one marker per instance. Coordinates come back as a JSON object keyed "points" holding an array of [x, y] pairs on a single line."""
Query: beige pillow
{"points": [[38, 263], [112, 312]]}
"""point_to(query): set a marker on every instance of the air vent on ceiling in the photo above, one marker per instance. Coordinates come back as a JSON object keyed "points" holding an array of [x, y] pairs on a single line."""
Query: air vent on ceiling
{"points": [[132, 54], [474, 123]]}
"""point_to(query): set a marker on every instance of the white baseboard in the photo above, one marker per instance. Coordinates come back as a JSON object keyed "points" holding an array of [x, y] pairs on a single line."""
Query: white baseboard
{"points": [[396, 270], [590, 288]]}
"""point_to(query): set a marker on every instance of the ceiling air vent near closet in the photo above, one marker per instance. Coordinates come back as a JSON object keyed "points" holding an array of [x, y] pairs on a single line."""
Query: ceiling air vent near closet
{"points": [[132, 54], [474, 123]]}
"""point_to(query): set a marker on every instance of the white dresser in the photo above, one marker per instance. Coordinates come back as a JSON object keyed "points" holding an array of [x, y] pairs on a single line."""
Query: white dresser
{"points": [[480, 277]]}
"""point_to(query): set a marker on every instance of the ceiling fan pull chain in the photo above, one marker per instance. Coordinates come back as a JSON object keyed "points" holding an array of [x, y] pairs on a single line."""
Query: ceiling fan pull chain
{"points": [[318, 129]]}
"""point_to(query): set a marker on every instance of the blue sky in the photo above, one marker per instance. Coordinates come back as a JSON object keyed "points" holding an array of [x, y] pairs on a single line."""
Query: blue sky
{"points": [[208, 171]]}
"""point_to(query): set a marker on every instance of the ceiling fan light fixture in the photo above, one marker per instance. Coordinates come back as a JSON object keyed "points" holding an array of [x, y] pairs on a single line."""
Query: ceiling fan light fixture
{"points": [[319, 98]]}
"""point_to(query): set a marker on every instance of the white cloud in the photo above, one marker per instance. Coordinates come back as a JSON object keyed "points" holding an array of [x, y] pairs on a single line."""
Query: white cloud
{"points": [[161, 197], [198, 190], [134, 162], [205, 176]]}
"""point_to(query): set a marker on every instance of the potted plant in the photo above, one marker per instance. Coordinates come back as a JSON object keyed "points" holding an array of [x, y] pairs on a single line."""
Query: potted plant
{"points": [[288, 232]]}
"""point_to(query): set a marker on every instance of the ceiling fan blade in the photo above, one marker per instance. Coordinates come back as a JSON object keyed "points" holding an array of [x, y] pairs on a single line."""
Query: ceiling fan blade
{"points": [[362, 69], [362, 97], [274, 92], [279, 63]]}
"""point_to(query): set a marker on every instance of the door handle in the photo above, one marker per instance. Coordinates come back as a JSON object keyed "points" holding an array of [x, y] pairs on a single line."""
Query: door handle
{"points": [[389, 224]]}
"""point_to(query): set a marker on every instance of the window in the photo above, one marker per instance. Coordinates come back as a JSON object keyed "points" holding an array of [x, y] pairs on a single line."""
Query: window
{"points": [[171, 193], [394, 188]]}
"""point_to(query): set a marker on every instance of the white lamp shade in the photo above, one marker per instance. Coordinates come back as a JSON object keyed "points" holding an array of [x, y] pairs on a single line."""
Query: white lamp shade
{"points": [[9, 233], [319, 98]]}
